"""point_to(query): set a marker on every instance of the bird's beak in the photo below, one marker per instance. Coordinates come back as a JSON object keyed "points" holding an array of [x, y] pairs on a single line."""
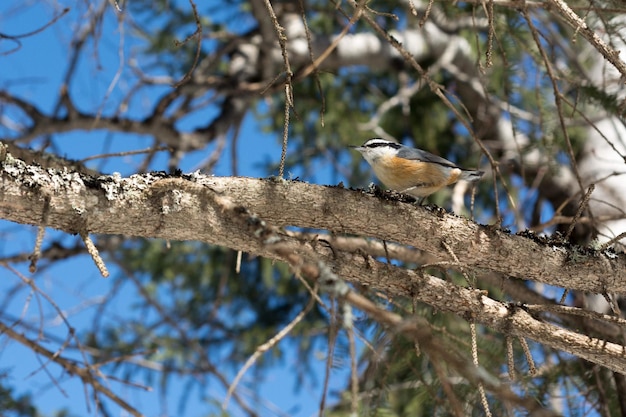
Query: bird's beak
{"points": [[356, 148]]}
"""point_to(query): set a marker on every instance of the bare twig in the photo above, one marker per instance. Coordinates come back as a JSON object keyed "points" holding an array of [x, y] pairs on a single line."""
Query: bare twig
{"points": [[95, 255], [16, 38], [532, 370], [614, 240], [354, 374], [126, 153], [41, 230], [563, 11], [481, 388], [510, 357], [197, 35], [260, 350], [84, 373], [581, 207]]}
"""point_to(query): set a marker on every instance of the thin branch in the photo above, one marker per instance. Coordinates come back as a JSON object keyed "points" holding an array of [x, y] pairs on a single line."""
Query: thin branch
{"points": [[260, 350], [126, 153], [83, 373], [41, 230], [481, 387], [612, 241], [563, 11], [95, 255], [532, 370], [581, 207], [197, 35], [38, 30]]}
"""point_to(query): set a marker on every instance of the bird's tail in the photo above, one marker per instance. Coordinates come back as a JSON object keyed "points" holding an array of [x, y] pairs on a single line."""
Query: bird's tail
{"points": [[471, 175]]}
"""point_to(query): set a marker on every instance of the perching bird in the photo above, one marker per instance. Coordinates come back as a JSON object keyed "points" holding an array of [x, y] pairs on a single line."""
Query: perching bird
{"points": [[412, 171]]}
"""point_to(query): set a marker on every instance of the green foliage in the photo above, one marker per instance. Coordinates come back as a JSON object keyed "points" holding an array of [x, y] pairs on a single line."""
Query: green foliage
{"points": [[22, 405], [191, 306], [398, 381], [604, 100], [166, 26], [12, 406]]}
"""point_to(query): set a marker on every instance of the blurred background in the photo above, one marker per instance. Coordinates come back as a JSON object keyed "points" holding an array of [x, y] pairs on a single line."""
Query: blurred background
{"points": [[513, 89]]}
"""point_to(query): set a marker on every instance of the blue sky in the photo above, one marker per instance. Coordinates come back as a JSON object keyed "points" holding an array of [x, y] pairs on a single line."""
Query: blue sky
{"points": [[34, 72]]}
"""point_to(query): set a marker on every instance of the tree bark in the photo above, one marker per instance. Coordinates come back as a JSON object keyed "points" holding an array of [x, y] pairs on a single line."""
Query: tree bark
{"points": [[235, 212]]}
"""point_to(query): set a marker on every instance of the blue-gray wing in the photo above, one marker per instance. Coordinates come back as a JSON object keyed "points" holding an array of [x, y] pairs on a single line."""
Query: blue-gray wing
{"points": [[420, 155]]}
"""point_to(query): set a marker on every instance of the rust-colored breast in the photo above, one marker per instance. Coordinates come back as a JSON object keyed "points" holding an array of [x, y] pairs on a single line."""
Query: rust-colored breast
{"points": [[401, 174], [413, 177]]}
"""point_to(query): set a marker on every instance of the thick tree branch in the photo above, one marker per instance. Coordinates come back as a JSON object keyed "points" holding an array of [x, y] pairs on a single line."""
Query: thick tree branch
{"points": [[173, 208], [210, 209]]}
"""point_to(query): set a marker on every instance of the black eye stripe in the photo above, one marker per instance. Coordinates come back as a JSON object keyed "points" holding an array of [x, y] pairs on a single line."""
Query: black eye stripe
{"points": [[379, 144]]}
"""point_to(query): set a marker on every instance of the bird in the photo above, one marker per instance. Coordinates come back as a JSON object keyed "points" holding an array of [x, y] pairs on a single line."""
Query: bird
{"points": [[412, 171]]}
